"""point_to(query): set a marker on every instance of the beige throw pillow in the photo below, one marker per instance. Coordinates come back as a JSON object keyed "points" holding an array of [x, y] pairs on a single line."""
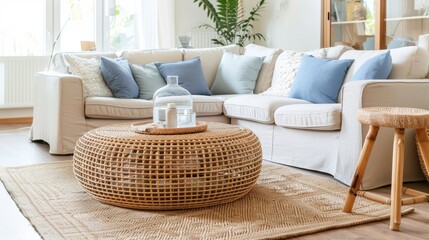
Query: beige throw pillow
{"points": [[89, 71], [285, 70], [270, 56]]}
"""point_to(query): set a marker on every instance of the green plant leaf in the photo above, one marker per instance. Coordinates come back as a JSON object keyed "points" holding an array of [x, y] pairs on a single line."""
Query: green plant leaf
{"points": [[229, 21]]}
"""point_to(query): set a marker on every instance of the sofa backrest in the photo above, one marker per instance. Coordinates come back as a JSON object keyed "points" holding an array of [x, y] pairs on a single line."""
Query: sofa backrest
{"points": [[152, 55], [210, 59], [270, 55], [407, 62], [61, 65]]}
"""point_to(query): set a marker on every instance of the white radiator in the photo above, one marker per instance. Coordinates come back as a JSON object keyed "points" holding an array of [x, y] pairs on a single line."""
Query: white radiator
{"points": [[17, 80], [202, 39]]}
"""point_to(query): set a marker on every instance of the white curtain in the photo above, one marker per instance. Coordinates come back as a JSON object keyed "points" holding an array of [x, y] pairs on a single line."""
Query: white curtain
{"points": [[155, 24]]}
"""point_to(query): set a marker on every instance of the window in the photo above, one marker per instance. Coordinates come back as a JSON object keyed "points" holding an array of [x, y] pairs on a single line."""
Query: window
{"points": [[39, 27], [78, 23], [23, 28], [122, 26]]}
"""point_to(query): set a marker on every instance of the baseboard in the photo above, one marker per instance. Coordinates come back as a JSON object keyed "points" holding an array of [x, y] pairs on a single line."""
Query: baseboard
{"points": [[16, 120]]}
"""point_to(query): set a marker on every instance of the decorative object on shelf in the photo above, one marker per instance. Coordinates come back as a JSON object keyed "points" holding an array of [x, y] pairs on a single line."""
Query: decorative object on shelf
{"points": [[369, 43], [422, 6], [423, 41], [229, 21], [182, 99], [398, 42], [359, 11], [351, 4], [87, 46], [184, 41]]}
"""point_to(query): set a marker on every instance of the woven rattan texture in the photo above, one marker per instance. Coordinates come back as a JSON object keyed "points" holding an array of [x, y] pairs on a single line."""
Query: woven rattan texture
{"points": [[422, 163], [162, 172], [394, 117]]}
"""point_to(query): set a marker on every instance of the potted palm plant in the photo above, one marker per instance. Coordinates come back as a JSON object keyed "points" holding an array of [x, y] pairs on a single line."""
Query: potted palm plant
{"points": [[230, 22]]}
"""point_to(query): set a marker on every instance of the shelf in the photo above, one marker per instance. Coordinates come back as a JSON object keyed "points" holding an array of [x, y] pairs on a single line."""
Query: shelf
{"points": [[348, 22], [406, 18], [387, 20]]}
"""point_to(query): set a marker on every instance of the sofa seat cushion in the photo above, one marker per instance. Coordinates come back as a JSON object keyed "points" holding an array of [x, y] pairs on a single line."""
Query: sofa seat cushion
{"points": [[325, 117], [259, 108], [116, 108], [207, 105]]}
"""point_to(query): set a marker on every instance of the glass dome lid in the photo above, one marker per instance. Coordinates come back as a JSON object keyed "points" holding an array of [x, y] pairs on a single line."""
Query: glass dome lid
{"points": [[172, 93]]}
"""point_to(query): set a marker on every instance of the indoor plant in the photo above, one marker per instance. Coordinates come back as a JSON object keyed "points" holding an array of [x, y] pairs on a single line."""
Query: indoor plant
{"points": [[229, 21]]}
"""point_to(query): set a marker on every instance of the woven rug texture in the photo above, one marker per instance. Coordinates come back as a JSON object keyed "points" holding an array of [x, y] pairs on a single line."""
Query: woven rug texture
{"points": [[284, 203]]}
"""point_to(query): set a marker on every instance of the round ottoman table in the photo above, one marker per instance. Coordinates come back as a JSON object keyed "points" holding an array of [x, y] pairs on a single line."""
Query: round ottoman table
{"points": [[117, 166]]}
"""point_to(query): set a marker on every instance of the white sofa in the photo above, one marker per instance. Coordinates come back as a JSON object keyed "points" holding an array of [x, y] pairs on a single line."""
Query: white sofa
{"points": [[321, 137]]}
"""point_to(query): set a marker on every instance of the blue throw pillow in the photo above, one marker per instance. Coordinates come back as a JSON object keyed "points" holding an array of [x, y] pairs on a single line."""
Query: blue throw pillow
{"points": [[237, 74], [377, 67], [319, 80], [148, 79], [190, 75], [119, 78]]}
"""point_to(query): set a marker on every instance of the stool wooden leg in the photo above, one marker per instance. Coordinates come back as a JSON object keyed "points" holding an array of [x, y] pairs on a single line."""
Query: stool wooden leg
{"points": [[397, 178], [360, 169], [423, 145]]}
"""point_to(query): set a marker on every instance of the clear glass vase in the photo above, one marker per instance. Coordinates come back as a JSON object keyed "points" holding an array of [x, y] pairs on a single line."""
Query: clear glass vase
{"points": [[173, 93]]}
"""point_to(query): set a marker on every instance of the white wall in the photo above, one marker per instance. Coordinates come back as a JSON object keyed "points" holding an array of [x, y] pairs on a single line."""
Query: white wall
{"points": [[287, 24], [291, 24], [188, 17]]}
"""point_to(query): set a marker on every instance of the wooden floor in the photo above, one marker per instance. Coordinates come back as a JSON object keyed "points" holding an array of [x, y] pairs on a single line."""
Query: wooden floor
{"points": [[17, 150]]}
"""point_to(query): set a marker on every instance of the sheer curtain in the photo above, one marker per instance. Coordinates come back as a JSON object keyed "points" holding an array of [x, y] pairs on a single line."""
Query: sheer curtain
{"points": [[155, 24]]}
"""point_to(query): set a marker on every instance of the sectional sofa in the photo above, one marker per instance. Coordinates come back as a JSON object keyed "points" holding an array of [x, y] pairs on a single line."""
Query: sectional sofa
{"points": [[294, 132]]}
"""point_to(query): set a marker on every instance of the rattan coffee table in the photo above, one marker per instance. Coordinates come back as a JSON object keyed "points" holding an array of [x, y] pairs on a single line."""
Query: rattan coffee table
{"points": [[164, 172]]}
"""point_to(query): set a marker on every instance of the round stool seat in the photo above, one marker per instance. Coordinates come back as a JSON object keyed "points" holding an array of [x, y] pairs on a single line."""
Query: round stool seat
{"points": [[394, 117]]}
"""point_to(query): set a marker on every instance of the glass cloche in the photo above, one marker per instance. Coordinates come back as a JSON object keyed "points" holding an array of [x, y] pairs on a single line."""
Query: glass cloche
{"points": [[182, 99]]}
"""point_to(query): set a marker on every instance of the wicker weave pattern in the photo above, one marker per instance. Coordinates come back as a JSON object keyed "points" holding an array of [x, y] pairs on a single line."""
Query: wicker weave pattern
{"points": [[421, 160], [164, 172]]}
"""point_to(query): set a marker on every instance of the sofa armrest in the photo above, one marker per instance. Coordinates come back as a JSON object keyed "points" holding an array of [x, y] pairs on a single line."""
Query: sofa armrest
{"points": [[378, 93], [58, 110]]}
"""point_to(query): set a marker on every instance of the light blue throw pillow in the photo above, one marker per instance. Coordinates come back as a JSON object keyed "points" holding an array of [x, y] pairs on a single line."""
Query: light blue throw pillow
{"points": [[237, 74], [119, 78], [148, 79], [190, 75], [319, 80], [377, 67]]}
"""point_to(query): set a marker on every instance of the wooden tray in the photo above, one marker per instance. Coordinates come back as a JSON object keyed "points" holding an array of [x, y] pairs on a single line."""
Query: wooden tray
{"points": [[153, 129]]}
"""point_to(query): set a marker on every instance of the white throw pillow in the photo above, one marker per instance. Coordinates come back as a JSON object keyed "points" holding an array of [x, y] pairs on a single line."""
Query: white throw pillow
{"points": [[89, 71], [285, 71], [266, 74]]}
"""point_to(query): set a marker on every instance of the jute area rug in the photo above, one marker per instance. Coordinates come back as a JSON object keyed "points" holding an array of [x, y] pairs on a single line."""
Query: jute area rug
{"points": [[284, 203]]}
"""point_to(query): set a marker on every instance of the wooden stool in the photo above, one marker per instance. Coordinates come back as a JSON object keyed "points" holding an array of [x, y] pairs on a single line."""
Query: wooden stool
{"points": [[398, 118]]}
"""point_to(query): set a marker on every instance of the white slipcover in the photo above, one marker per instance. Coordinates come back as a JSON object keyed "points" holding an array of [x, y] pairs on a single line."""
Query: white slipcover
{"points": [[258, 108], [325, 117]]}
